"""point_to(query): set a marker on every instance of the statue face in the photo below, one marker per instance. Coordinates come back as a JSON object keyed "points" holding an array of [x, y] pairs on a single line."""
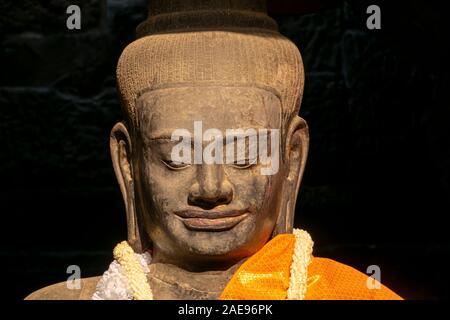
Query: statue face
{"points": [[204, 213]]}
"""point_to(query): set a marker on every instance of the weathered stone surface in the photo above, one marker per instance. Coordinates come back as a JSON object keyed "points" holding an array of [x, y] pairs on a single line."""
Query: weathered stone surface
{"points": [[79, 64], [71, 125]]}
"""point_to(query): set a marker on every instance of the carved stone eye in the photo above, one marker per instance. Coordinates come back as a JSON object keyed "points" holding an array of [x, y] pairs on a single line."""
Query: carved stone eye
{"points": [[174, 165]]}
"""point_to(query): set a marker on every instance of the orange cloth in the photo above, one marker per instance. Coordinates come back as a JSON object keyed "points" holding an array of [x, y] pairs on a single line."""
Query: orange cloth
{"points": [[265, 276]]}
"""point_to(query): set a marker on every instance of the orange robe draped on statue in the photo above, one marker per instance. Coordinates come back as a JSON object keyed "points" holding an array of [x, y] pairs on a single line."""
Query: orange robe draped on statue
{"points": [[265, 276]]}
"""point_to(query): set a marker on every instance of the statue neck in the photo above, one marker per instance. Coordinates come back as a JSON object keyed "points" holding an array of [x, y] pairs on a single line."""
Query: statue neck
{"points": [[170, 282]]}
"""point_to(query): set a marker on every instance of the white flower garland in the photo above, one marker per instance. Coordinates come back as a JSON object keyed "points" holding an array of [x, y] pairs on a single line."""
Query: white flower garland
{"points": [[301, 259], [114, 284], [126, 277]]}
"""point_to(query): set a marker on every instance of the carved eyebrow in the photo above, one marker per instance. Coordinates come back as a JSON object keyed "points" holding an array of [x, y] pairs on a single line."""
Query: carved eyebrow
{"points": [[166, 136], [159, 138], [252, 135], [243, 135]]}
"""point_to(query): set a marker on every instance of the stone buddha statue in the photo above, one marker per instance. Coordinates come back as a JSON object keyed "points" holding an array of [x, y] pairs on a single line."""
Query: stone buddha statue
{"points": [[204, 75]]}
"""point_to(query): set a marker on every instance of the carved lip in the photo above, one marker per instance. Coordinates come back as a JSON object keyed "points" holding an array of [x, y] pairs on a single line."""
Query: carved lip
{"points": [[212, 220]]}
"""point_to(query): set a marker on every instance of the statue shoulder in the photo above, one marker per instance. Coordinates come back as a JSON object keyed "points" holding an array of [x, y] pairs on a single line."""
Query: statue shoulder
{"points": [[60, 291]]}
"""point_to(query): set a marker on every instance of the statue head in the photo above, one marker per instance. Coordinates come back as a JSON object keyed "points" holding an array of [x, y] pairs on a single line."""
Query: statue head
{"points": [[198, 75]]}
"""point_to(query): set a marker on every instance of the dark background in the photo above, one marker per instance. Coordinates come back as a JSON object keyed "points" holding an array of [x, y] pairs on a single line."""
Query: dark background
{"points": [[376, 188]]}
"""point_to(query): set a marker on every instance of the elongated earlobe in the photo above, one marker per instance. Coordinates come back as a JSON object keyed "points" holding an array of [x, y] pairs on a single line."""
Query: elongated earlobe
{"points": [[296, 153], [120, 146]]}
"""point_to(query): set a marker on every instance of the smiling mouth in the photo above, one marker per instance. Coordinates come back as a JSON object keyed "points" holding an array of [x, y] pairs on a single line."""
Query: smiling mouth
{"points": [[211, 221]]}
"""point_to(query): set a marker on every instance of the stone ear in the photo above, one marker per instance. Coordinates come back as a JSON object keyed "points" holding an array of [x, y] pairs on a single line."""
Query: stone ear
{"points": [[121, 148], [295, 153]]}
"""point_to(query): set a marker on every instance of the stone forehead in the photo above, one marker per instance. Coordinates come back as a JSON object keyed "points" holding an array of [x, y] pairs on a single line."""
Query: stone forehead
{"points": [[217, 99], [228, 94]]}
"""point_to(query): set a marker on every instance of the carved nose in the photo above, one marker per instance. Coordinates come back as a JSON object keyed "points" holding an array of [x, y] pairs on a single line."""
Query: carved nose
{"points": [[211, 188]]}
